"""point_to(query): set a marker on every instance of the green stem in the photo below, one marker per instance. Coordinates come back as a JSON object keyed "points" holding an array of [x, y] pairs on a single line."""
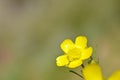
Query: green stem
{"points": [[76, 73], [82, 65]]}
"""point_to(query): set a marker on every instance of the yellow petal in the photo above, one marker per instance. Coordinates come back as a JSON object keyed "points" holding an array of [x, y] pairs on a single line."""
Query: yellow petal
{"points": [[115, 76], [66, 45], [62, 60], [86, 53], [92, 72], [75, 63], [81, 42]]}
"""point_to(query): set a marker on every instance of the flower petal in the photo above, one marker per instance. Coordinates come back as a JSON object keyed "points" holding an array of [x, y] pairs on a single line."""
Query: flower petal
{"points": [[75, 63], [92, 72], [86, 53], [62, 60], [115, 76], [66, 45], [81, 42]]}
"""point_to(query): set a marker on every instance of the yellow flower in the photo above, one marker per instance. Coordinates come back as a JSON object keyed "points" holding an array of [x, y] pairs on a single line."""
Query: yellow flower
{"points": [[93, 72], [115, 75], [75, 53]]}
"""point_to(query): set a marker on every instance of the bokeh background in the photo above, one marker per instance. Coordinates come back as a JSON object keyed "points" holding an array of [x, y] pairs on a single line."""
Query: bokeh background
{"points": [[32, 30]]}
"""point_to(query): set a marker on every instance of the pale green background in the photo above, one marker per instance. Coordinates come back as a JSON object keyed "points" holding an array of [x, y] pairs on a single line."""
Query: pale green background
{"points": [[32, 30]]}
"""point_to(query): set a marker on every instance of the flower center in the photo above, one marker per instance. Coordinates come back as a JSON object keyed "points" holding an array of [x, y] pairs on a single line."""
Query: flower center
{"points": [[74, 54]]}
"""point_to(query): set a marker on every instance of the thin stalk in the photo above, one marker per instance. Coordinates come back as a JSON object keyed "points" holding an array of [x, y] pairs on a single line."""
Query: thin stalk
{"points": [[82, 65], [76, 73]]}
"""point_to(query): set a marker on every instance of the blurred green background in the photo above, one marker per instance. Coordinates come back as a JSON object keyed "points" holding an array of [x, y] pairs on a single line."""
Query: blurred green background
{"points": [[32, 30]]}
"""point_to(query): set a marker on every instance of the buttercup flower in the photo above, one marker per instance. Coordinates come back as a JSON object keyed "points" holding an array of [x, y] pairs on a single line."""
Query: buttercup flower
{"points": [[93, 72], [75, 53]]}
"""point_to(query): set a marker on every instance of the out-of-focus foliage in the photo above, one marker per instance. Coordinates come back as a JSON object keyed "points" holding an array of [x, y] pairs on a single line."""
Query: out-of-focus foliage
{"points": [[32, 30]]}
